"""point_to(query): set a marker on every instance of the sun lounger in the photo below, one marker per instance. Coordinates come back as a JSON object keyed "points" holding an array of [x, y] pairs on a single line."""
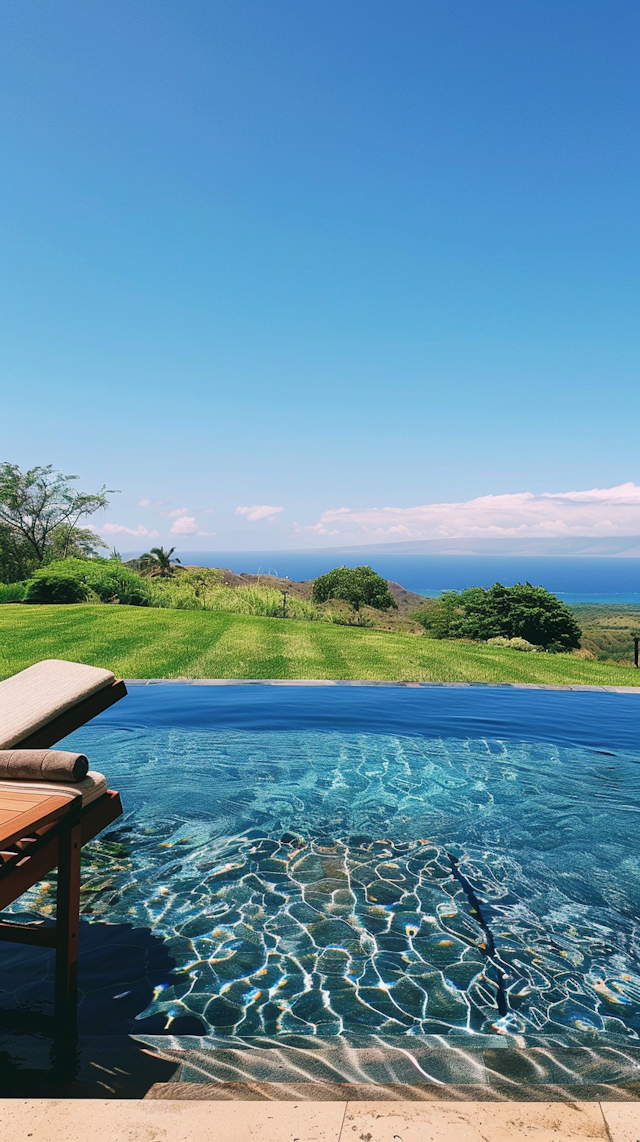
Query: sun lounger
{"points": [[42, 704], [43, 824]]}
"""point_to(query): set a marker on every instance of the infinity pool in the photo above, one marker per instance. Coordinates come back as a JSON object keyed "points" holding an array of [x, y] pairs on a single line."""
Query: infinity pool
{"points": [[334, 860]]}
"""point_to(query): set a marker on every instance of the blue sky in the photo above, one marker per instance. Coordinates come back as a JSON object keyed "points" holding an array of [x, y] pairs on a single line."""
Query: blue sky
{"points": [[339, 254]]}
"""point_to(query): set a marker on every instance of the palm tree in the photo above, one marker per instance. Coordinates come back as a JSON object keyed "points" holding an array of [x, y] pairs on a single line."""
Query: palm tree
{"points": [[159, 562]]}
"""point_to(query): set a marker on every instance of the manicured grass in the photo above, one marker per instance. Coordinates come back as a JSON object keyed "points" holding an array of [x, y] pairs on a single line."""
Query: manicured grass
{"points": [[137, 642]]}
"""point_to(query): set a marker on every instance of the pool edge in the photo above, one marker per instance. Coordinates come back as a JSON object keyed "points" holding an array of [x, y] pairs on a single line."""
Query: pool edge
{"points": [[376, 682]]}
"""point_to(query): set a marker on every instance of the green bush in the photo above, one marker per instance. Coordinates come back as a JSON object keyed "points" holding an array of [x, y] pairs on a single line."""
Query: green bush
{"points": [[88, 580], [53, 584], [441, 617], [11, 592], [511, 643], [521, 611]]}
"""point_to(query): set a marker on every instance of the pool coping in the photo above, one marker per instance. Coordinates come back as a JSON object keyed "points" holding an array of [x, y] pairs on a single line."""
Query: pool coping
{"points": [[377, 682], [176, 1120]]}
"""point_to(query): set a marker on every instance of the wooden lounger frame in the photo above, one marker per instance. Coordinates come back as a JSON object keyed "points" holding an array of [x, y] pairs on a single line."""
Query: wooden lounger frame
{"points": [[57, 844], [33, 857]]}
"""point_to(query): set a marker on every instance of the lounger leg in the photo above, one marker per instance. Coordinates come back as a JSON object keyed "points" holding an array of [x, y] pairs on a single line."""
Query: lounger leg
{"points": [[67, 923]]}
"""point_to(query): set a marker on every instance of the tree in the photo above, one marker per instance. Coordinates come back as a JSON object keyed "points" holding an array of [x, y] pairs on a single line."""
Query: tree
{"points": [[17, 560], [74, 543], [359, 586], [41, 509], [521, 611], [159, 562]]}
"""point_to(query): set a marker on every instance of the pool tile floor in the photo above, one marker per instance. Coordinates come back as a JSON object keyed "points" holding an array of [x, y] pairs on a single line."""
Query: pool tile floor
{"points": [[57, 1120]]}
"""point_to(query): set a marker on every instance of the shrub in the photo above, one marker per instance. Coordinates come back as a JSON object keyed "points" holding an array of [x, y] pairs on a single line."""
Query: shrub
{"points": [[511, 643], [11, 592], [350, 619], [521, 611], [53, 584], [441, 617], [88, 580]]}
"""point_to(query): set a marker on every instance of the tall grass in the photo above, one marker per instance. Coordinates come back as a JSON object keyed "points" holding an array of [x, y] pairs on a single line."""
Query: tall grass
{"points": [[249, 600], [109, 581]]}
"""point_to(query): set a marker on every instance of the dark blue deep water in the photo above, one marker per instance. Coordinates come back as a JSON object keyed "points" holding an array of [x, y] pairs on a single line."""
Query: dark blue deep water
{"points": [[343, 860], [468, 711]]}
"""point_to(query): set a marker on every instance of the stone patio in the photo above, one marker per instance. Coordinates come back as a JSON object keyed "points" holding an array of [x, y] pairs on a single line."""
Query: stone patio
{"points": [[50, 1120]]}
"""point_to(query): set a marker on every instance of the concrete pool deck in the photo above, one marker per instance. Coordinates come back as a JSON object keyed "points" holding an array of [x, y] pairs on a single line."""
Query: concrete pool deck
{"points": [[61, 1120]]}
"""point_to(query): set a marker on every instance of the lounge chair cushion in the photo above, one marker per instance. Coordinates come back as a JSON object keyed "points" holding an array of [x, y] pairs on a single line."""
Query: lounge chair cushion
{"points": [[34, 697], [42, 765], [92, 787]]}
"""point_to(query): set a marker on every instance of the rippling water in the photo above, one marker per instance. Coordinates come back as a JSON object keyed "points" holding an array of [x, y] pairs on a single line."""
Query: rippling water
{"points": [[332, 882]]}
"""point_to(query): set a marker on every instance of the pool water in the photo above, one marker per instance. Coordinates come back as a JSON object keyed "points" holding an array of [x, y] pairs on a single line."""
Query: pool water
{"points": [[339, 860]]}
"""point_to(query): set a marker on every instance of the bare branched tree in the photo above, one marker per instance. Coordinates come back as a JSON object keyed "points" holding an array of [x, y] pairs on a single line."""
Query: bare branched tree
{"points": [[42, 507]]}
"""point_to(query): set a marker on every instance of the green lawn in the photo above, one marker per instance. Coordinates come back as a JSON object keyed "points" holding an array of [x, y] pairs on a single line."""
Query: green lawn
{"points": [[137, 642]]}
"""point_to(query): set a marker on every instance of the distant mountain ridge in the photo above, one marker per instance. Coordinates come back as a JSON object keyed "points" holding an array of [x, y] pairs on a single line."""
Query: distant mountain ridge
{"points": [[625, 546]]}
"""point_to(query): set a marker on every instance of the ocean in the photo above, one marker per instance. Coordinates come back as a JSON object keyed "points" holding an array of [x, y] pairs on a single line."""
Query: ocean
{"points": [[575, 579]]}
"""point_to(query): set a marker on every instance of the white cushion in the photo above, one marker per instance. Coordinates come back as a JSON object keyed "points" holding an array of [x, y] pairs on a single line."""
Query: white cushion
{"points": [[90, 788], [34, 697]]}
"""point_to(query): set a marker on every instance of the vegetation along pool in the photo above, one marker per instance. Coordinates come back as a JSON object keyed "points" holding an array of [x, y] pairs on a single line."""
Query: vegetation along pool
{"points": [[343, 859]]}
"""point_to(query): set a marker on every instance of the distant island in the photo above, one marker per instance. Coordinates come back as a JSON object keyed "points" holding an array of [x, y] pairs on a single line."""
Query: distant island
{"points": [[626, 546]]}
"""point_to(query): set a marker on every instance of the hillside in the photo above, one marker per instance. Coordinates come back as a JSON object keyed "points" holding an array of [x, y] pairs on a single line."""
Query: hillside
{"points": [[407, 601], [608, 630]]}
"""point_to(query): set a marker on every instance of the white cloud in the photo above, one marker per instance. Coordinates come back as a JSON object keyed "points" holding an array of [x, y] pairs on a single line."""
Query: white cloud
{"points": [[140, 532], [206, 533], [176, 513], [259, 511], [143, 503], [185, 525], [320, 529], [598, 512]]}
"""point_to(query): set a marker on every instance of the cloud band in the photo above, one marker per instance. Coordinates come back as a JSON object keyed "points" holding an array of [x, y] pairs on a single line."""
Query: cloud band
{"points": [[598, 512]]}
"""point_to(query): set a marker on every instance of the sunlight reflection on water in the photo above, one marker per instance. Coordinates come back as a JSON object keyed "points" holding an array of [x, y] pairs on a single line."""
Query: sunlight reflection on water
{"points": [[332, 882]]}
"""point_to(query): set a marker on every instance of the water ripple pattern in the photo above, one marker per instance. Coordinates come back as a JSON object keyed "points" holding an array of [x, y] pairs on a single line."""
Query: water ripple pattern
{"points": [[329, 883]]}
